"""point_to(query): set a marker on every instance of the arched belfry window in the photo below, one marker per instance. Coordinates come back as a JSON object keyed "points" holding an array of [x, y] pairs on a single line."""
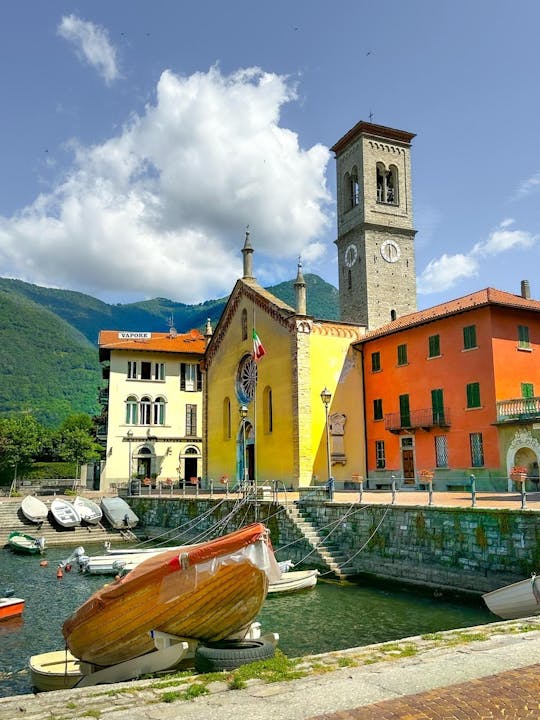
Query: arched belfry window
{"points": [[354, 187], [393, 315], [387, 184], [244, 324]]}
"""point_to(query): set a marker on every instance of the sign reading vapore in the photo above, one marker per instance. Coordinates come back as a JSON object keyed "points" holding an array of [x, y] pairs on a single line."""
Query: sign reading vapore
{"points": [[127, 335]]}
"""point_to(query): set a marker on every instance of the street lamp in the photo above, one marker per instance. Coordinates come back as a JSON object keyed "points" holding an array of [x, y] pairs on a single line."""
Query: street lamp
{"points": [[326, 396], [245, 471], [130, 438]]}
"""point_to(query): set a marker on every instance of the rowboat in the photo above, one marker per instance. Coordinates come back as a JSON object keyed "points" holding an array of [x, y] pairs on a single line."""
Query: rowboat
{"points": [[521, 599], [294, 581], [88, 510], [11, 607], [118, 513], [206, 592], [56, 670], [34, 509], [64, 513], [25, 544]]}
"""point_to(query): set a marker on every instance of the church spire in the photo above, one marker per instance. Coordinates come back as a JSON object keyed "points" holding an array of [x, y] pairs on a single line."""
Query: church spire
{"points": [[247, 252], [300, 291]]}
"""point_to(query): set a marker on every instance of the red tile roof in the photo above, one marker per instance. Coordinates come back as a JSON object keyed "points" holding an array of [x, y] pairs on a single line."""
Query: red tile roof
{"points": [[190, 342], [481, 298]]}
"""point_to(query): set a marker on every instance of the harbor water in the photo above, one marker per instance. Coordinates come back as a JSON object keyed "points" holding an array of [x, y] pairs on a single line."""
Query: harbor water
{"points": [[329, 617]]}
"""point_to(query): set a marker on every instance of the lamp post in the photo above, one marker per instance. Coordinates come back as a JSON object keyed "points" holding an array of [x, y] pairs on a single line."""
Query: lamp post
{"points": [[130, 438], [245, 470], [326, 396]]}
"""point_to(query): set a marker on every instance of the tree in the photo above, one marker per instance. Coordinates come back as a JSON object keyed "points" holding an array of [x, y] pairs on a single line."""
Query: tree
{"points": [[77, 443], [20, 443]]}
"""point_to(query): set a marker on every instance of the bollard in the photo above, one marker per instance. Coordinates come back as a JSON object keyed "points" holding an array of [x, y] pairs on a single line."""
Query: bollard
{"points": [[523, 495], [473, 491], [211, 487], [361, 495], [393, 489], [430, 493], [184, 487]]}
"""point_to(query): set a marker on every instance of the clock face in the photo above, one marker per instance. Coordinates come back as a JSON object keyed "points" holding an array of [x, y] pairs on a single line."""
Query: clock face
{"points": [[351, 253], [390, 251]]}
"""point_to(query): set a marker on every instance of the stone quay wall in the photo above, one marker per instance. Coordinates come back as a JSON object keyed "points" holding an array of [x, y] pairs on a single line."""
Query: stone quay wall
{"points": [[461, 549]]}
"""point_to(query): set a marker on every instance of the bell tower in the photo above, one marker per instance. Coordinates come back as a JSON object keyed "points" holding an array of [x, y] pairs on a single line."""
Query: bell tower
{"points": [[377, 277]]}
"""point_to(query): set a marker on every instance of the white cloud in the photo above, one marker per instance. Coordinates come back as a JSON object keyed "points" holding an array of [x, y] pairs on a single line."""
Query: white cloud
{"points": [[161, 209], [530, 186], [91, 45]]}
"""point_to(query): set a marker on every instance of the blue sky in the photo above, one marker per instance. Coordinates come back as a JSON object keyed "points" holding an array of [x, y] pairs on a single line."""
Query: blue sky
{"points": [[139, 139]]}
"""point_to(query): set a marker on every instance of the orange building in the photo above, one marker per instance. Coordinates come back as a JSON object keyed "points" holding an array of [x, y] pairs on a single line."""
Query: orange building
{"points": [[453, 390]]}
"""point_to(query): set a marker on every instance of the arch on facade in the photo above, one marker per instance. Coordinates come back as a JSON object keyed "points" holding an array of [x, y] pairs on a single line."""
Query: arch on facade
{"points": [[524, 449], [245, 452], [189, 464]]}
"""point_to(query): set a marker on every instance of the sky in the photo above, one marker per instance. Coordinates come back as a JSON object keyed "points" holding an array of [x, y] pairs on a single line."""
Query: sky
{"points": [[139, 140]]}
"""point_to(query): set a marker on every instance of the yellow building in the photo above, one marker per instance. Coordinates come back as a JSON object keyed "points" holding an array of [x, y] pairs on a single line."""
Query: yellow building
{"points": [[265, 419], [154, 406]]}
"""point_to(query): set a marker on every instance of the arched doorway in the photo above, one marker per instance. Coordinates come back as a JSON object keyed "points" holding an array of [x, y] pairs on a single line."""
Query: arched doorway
{"points": [[524, 451], [143, 458], [246, 452], [189, 465]]}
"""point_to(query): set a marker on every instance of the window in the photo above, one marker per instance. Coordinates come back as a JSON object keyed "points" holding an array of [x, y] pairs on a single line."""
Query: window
{"points": [[469, 337], [146, 370], [477, 449], [434, 346], [437, 407], [191, 420], [441, 450], [523, 338], [132, 370], [159, 371], [226, 419], [377, 409], [144, 417], [268, 412], [404, 411], [158, 411], [131, 410], [190, 377], [375, 361], [473, 395], [244, 324], [401, 354], [387, 184], [380, 459], [527, 390], [354, 188]]}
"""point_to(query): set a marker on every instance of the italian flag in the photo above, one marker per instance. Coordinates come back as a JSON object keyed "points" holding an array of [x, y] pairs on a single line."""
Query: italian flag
{"points": [[258, 350]]}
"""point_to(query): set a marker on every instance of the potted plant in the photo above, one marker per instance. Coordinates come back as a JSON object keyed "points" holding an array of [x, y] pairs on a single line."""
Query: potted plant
{"points": [[518, 473], [426, 475]]}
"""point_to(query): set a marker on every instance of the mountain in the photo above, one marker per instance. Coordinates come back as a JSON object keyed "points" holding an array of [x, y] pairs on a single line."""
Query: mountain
{"points": [[48, 358]]}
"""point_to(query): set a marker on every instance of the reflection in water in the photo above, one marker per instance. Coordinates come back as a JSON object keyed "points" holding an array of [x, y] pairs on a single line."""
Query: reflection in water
{"points": [[329, 617]]}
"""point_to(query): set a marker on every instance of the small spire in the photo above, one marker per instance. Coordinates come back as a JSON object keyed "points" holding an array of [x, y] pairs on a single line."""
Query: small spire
{"points": [[300, 290], [208, 332], [247, 252]]}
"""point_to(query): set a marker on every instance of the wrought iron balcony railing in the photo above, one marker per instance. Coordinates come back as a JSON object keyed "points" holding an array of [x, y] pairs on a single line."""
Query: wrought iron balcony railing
{"points": [[519, 410], [425, 419]]}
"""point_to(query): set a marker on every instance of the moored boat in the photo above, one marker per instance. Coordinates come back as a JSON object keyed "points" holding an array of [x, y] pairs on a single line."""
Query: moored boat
{"points": [[64, 513], [294, 581], [118, 513], [207, 592], [25, 544], [34, 509], [88, 510], [521, 599], [56, 670], [11, 607]]}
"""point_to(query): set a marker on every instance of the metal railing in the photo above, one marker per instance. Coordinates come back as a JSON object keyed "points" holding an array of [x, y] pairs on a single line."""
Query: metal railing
{"points": [[425, 418]]}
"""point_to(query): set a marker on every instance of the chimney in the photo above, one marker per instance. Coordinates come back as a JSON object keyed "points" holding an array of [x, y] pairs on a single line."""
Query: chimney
{"points": [[525, 290], [300, 291]]}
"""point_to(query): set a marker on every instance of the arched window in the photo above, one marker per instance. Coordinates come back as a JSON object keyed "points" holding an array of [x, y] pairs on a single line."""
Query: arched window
{"points": [[131, 410], [144, 414], [227, 419], [393, 315], [354, 187], [268, 410], [244, 324], [159, 411], [387, 184], [345, 193]]}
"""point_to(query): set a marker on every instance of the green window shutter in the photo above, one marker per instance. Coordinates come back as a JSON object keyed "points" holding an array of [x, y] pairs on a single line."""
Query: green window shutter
{"points": [[469, 337], [375, 361], [404, 411], [527, 390], [377, 409], [434, 346], [523, 336], [473, 395], [402, 355], [437, 406]]}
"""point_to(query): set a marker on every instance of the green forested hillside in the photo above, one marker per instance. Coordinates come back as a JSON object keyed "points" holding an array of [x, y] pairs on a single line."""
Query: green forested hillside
{"points": [[48, 357]]}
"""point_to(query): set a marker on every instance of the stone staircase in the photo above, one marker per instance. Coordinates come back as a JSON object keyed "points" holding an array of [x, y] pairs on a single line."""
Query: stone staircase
{"points": [[11, 518], [328, 552]]}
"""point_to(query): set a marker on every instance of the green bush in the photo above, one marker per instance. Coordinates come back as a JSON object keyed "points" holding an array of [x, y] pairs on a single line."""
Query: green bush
{"points": [[48, 470]]}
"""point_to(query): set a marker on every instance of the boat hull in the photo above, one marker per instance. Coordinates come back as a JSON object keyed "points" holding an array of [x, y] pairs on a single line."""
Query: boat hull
{"points": [[118, 513], [519, 600], [294, 581], [88, 510], [208, 592], [57, 670], [34, 509], [25, 544], [11, 607]]}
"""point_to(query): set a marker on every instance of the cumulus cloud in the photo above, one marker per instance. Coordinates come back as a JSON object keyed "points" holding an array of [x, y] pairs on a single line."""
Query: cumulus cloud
{"points": [[528, 187], [161, 208], [92, 45], [448, 270]]}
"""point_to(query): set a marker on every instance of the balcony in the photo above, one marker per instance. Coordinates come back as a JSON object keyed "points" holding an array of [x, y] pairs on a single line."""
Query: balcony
{"points": [[518, 410], [417, 420]]}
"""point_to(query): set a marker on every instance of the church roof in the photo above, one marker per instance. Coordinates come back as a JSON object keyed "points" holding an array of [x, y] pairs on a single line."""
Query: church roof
{"points": [[378, 131], [191, 342], [478, 299]]}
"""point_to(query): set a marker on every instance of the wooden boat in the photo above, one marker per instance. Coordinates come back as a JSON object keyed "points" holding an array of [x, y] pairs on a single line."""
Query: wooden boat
{"points": [[11, 607], [207, 592], [118, 513], [34, 509], [64, 513], [25, 544], [294, 581], [521, 599], [57, 670], [88, 510]]}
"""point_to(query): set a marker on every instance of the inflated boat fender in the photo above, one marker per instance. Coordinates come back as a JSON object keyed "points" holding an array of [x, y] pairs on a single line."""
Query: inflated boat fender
{"points": [[230, 654]]}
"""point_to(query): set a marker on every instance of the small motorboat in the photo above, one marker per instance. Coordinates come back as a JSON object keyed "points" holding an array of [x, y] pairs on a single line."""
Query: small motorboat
{"points": [[34, 509], [25, 544], [519, 600], [88, 510], [11, 607], [293, 581], [118, 513], [64, 513]]}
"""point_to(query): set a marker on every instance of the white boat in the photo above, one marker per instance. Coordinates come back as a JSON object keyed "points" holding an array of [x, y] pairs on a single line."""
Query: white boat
{"points": [[293, 581], [118, 513], [64, 513], [34, 509], [88, 510], [519, 600]]}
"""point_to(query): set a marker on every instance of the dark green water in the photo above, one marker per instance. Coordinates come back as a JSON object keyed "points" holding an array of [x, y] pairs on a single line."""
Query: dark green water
{"points": [[329, 617]]}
